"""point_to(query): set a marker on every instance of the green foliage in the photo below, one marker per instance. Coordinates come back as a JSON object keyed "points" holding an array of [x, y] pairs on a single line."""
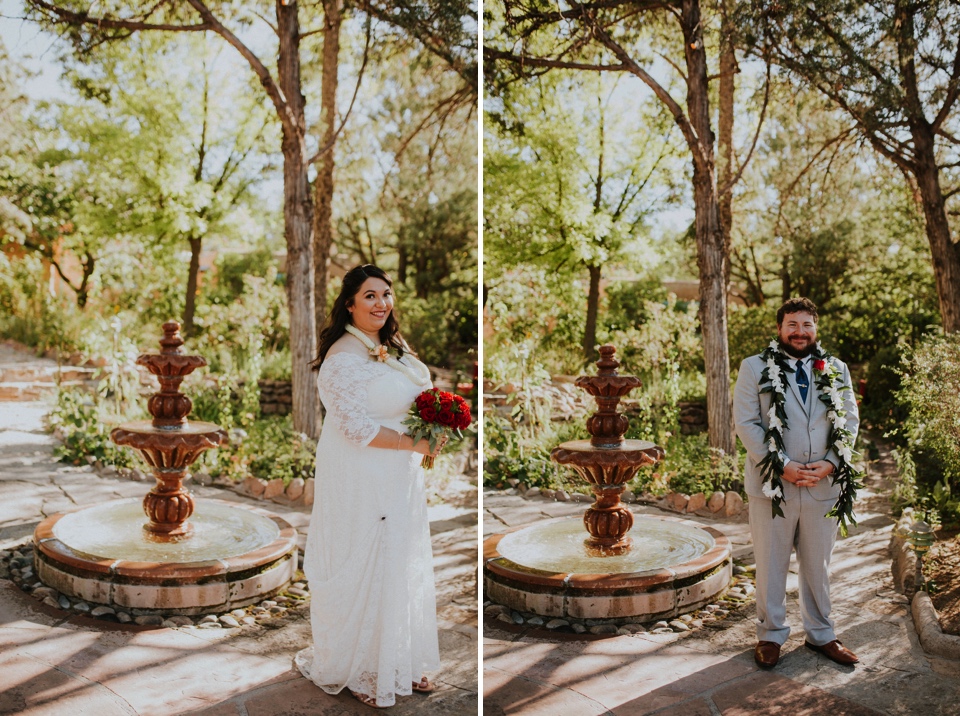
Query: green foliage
{"points": [[627, 302], [932, 429], [277, 365], [537, 327], [512, 452], [441, 328], [234, 336], [30, 315], [690, 466], [268, 448], [666, 343], [880, 405], [749, 330], [81, 422], [232, 270]]}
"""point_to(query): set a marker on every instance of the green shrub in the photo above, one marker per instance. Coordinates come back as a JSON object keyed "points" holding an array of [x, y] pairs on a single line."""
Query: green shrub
{"points": [[81, 423], [628, 302], [930, 377], [880, 405], [749, 330], [268, 448]]}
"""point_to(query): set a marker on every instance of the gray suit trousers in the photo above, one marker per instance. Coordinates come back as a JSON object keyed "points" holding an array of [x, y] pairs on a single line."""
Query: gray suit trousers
{"points": [[805, 529]]}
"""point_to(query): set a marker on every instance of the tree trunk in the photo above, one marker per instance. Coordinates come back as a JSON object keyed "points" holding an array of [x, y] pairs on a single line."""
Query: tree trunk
{"points": [[593, 308], [190, 305], [402, 264], [786, 291], [944, 252], [89, 263], [323, 186], [298, 224], [728, 69], [712, 260]]}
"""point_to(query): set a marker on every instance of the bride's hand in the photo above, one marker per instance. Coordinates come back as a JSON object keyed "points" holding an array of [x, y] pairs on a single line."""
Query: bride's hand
{"points": [[423, 446]]}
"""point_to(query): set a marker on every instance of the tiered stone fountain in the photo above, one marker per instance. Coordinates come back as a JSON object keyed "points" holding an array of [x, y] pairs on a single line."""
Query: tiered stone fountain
{"points": [[554, 569], [226, 556]]}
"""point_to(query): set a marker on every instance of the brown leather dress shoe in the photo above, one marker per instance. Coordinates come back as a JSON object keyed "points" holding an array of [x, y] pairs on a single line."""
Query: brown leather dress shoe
{"points": [[835, 651], [766, 654]]}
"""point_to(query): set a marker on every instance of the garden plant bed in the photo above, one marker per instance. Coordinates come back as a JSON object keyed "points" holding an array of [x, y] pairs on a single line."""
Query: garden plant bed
{"points": [[942, 568]]}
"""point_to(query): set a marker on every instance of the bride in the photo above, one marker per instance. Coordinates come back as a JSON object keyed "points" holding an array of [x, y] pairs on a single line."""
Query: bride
{"points": [[368, 558]]}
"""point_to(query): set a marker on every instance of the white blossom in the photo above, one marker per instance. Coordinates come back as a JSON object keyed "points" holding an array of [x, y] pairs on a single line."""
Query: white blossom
{"points": [[770, 491], [846, 453], [771, 445], [773, 345]]}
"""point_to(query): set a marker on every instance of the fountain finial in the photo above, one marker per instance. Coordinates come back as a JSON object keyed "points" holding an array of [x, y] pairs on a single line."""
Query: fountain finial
{"points": [[607, 365], [172, 341]]}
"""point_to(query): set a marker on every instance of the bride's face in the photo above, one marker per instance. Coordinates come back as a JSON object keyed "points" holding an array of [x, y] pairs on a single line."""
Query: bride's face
{"points": [[371, 305]]}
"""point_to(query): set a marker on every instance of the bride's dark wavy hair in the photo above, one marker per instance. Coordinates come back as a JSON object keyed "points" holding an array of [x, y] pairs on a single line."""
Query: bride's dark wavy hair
{"points": [[339, 317]]}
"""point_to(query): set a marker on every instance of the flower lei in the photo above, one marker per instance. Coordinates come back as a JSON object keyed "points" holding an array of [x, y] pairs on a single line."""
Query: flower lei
{"points": [[419, 373], [830, 389]]}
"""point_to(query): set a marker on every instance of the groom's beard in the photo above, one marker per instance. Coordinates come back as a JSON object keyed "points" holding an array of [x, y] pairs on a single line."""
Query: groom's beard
{"points": [[791, 351]]}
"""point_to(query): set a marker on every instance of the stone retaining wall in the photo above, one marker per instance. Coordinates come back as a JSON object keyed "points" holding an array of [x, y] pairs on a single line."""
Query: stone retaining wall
{"points": [[720, 504], [276, 397], [925, 618]]}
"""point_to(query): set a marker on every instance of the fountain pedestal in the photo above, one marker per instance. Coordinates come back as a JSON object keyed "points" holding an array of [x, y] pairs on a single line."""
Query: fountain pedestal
{"points": [[168, 443], [554, 569]]}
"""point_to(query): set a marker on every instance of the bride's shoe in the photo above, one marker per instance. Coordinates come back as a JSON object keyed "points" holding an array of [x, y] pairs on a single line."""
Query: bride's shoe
{"points": [[423, 686], [366, 700]]}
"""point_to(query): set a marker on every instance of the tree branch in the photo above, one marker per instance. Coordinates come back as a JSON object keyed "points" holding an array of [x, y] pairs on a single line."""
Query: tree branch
{"points": [[111, 23], [328, 147], [491, 53], [763, 112], [266, 79]]}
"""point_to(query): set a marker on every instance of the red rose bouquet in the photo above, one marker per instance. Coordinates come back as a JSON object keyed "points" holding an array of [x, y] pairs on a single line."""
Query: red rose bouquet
{"points": [[436, 413]]}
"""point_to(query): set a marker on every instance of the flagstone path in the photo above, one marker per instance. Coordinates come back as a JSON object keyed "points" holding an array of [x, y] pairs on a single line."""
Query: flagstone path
{"points": [[711, 672], [54, 663]]}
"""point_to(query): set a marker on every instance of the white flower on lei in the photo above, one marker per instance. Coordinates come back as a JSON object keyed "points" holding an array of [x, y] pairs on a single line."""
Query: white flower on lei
{"points": [[775, 423], [776, 383], [771, 445], [844, 451], [771, 492]]}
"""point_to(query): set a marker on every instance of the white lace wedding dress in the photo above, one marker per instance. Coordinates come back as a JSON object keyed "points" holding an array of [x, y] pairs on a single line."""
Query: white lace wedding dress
{"points": [[368, 556]]}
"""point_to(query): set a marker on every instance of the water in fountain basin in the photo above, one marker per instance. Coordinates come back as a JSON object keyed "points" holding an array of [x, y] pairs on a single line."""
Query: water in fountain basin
{"points": [[114, 530], [557, 546]]}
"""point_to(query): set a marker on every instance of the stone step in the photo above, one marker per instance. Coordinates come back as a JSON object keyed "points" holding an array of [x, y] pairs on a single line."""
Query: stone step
{"points": [[23, 391], [44, 373]]}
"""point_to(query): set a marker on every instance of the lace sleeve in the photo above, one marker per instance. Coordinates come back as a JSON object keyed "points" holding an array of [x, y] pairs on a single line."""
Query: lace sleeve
{"points": [[342, 382]]}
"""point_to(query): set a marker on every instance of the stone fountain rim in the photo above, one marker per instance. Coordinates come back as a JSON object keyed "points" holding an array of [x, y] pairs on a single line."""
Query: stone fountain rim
{"points": [[82, 564], [584, 584]]}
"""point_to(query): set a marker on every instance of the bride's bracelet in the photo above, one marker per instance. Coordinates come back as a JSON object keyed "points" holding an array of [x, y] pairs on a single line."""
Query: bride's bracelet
{"points": [[399, 438]]}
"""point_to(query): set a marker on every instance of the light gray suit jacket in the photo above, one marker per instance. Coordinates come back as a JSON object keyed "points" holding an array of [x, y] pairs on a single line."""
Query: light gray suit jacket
{"points": [[808, 429]]}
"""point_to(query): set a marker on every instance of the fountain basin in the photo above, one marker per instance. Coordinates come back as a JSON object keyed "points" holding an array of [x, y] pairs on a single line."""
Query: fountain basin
{"points": [[674, 566], [236, 555]]}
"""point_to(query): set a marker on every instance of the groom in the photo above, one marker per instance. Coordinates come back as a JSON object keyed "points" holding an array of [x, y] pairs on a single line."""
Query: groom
{"points": [[807, 490]]}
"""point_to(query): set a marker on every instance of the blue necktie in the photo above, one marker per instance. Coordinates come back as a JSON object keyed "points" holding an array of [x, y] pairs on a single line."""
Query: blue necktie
{"points": [[802, 382]]}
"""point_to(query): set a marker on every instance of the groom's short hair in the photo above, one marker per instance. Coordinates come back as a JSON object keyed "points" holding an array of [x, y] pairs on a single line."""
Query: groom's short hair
{"points": [[797, 305]]}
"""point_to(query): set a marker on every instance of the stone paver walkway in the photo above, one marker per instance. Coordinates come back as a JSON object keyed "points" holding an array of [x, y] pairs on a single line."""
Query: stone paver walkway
{"points": [[54, 663], [711, 672]]}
